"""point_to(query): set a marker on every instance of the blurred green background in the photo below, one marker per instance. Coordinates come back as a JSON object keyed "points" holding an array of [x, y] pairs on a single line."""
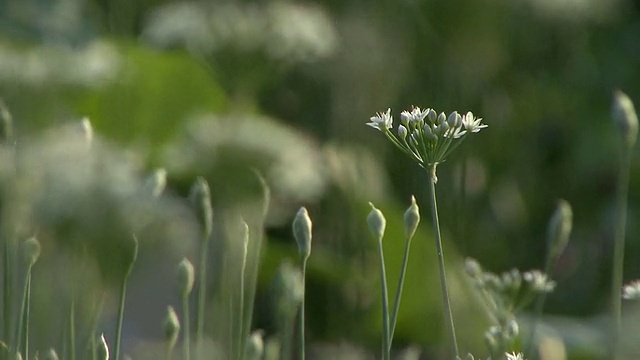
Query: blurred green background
{"points": [[218, 88]]}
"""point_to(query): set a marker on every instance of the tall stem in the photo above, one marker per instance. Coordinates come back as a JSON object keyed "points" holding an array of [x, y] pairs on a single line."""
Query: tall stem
{"points": [[7, 289], [123, 295], [21, 317], [301, 321], [618, 249], [202, 289], [386, 347], [185, 333], [443, 278], [396, 304]]}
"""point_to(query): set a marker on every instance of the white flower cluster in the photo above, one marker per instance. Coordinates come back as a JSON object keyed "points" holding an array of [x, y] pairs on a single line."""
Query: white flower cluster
{"points": [[424, 135]]}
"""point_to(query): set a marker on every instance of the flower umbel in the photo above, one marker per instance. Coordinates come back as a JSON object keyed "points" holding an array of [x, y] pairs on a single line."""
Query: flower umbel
{"points": [[631, 291], [427, 137]]}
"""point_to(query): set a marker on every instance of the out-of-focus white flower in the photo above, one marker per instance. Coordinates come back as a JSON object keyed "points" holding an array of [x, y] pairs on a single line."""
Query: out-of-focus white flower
{"points": [[631, 291]]}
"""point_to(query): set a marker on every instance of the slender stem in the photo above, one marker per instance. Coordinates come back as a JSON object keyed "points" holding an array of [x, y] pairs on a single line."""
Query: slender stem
{"points": [[123, 295], [386, 343], [7, 289], [185, 333], [286, 336], [443, 277], [27, 313], [618, 249], [72, 330], [240, 331], [301, 321], [18, 332], [202, 291], [396, 303], [538, 307]]}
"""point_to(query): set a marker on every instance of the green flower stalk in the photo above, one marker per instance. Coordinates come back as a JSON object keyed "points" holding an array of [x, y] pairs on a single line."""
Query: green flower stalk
{"points": [[30, 253], [428, 138], [288, 293], [411, 221], [200, 198], [185, 285], [6, 140], [133, 255], [171, 331], [625, 118], [377, 224], [558, 233], [241, 319], [302, 226]]}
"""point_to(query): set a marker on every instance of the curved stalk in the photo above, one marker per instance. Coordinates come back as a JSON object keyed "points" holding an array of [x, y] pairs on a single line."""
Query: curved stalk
{"points": [[386, 341], [396, 304], [301, 321]]}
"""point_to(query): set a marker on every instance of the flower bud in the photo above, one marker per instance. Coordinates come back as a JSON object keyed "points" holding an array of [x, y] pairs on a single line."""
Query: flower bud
{"points": [[171, 328], [302, 232], [155, 183], [50, 355], [31, 250], [431, 115], [377, 222], [512, 330], [6, 124], [185, 277], [559, 229], [472, 268], [411, 219], [255, 346], [200, 198], [441, 118], [453, 119], [624, 116], [402, 132]]}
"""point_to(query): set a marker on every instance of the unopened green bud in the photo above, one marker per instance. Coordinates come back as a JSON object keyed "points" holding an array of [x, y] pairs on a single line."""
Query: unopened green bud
{"points": [[255, 346], [185, 277], [19, 356], [171, 328], [625, 117], [512, 330], [200, 197], [402, 132], [31, 250], [86, 129], [302, 226], [155, 183], [490, 341], [411, 219], [377, 222], [6, 124], [50, 355], [472, 268], [103, 348], [559, 229]]}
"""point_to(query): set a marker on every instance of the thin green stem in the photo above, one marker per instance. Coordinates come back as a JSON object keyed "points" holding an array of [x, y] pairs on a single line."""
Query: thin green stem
{"points": [[286, 337], [240, 331], [386, 342], [18, 331], [27, 314], [538, 307], [123, 295], [185, 333], [396, 302], [618, 250], [202, 291], [72, 330], [443, 277], [301, 321], [7, 289]]}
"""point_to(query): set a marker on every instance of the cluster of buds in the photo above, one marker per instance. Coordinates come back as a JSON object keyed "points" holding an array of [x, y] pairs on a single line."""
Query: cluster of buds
{"points": [[504, 295], [425, 136]]}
